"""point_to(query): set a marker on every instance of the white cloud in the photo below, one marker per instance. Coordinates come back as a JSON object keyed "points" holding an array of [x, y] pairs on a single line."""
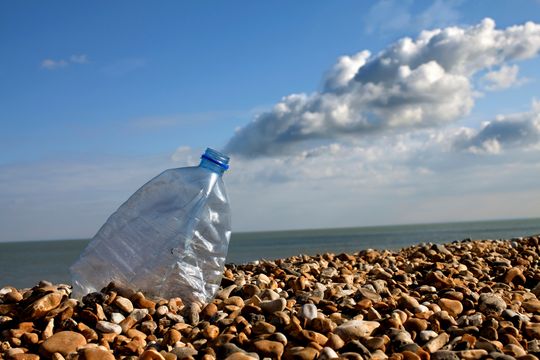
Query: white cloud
{"points": [[51, 64], [412, 84], [184, 156], [503, 78]]}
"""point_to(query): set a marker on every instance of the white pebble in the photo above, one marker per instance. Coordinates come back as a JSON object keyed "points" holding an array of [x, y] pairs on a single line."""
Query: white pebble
{"points": [[308, 311], [108, 327], [117, 317]]}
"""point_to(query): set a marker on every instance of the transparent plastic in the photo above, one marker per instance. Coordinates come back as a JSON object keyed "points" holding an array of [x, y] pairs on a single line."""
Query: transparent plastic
{"points": [[170, 238]]}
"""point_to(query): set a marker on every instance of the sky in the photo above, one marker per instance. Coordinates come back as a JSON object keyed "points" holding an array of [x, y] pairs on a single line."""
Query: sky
{"points": [[335, 114]]}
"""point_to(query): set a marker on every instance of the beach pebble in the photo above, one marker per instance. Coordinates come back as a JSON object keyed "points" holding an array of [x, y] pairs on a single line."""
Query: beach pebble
{"points": [[184, 352], [532, 306], [437, 342], [272, 306], [63, 342], [533, 330], [356, 329], [95, 354], [328, 354], [117, 318], [453, 307], [308, 311], [491, 303], [269, 348], [43, 305], [240, 356], [108, 327], [123, 304], [151, 355], [444, 355], [301, 353]]}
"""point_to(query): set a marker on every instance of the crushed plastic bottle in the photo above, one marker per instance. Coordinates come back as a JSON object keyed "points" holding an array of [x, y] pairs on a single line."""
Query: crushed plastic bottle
{"points": [[170, 238]]}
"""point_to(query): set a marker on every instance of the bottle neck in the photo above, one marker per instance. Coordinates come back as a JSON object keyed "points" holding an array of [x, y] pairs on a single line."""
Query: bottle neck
{"points": [[210, 165], [214, 161]]}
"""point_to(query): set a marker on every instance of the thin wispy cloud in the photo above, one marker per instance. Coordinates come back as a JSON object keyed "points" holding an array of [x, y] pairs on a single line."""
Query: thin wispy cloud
{"points": [[426, 82], [53, 64]]}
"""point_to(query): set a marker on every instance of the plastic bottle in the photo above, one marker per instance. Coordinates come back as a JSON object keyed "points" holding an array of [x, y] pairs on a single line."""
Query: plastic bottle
{"points": [[170, 238]]}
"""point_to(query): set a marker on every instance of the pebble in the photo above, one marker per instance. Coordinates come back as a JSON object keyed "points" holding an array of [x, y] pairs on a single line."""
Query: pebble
{"points": [[301, 353], [240, 356], [95, 354], [437, 342], [272, 306], [444, 355], [184, 352], [328, 354], [63, 342], [308, 311], [117, 318], [108, 327], [532, 306], [43, 305], [151, 355], [453, 307], [269, 348], [491, 303], [123, 304], [356, 329]]}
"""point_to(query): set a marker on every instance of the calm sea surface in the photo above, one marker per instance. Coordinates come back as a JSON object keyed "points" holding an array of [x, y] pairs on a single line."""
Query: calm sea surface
{"points": [[23, 264]]}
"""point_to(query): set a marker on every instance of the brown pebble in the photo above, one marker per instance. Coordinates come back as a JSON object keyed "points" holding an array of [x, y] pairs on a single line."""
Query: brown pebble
{"points": [[211, 332], [63, 342], [209, 311], [240, 356], [269, 348], [314, 336], [13, 296], [415, 324], [30, 338], [151, 355], [95, 354], [43, 305], [533, 330], [532, 306], [171, 337], [437, 343], [299, 353], [335, 342], [123, 304], [142, 302], [453, 307], [514, 275], [25, 356], [409, 355]]}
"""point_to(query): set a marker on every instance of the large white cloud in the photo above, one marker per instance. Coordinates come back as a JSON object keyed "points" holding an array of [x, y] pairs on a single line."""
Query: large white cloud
{"points": [[414, 83]]}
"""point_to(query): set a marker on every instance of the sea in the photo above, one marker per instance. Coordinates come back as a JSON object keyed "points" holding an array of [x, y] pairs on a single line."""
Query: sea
{"points": [[24, 264]]}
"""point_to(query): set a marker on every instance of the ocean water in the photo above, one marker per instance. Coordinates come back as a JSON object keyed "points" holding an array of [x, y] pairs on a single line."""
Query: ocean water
{"points": [[23, 264]]}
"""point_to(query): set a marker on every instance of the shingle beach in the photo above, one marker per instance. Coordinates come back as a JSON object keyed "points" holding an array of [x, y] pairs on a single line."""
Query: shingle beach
{"points": [[464, 300]]}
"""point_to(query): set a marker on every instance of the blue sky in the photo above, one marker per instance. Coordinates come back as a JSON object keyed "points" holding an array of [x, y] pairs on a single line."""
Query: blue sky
{"points": [[95, 99]]}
